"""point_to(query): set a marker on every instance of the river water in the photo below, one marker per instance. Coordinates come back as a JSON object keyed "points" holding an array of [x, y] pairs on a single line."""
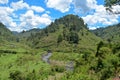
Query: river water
{"points": [[46, 57], [69, 65]]}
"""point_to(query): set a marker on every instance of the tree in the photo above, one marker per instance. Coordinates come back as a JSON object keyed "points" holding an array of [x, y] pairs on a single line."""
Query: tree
{"points": [[17, 75], [60, 38], [23, 31], [110, 3], [73, 37], [100, 44]]}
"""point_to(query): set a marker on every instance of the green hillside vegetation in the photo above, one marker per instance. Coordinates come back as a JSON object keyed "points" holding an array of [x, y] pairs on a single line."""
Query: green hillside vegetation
{"points": [[5, 34], [25, 34], [66, 34], [77, 53], [110, 33]]}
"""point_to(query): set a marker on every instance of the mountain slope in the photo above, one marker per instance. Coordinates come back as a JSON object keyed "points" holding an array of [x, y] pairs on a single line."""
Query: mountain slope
{"points": [[68, 33], [5, 34], [110, 33], [25, 34]]}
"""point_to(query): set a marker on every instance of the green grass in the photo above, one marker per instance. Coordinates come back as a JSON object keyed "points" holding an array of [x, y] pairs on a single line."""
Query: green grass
{"points": [[61, 56], [24, 63]]}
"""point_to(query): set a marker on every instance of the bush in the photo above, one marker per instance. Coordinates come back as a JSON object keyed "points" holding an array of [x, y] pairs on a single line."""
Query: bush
{"points": [[58, 68], [17, 75]]}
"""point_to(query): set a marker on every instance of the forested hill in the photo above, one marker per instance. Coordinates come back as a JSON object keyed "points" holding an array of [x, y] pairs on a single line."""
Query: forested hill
{"points": [[110, 33], [64, 34], [5, 33], [25, 34]]}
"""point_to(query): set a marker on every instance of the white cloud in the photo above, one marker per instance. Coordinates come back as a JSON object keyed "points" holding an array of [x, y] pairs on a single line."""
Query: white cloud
{"points": [[23, 5], [30, 20], [19, 5], [61, 5], [92, 28], [100, 16], [23, 21], [5, 13], [3, 1], [37, 8], [84, 6]]}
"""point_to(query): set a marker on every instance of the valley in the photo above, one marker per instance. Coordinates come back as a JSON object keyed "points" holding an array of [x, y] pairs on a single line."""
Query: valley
{"points": [[64, 50]]}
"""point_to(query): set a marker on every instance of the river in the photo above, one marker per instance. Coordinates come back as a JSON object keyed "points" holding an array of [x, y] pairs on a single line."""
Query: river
{"points": [[46, 57], [69, 65]]}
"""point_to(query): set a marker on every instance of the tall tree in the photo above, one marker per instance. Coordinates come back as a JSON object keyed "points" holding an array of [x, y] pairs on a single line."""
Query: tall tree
{"points": [[110, 3]]}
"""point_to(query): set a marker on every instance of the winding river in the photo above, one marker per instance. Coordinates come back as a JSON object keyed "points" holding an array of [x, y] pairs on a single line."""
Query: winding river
{"points": [[69, 65], [46, 57]]}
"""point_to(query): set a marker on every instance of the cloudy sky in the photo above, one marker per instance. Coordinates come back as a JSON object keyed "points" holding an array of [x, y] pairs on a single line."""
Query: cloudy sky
{"points": [[20, 15]]}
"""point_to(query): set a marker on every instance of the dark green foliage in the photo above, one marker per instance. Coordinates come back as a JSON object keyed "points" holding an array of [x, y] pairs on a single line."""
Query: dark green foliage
{"points": [[116, 48], [73, 22], [93, 58], [32, 76], [8, 51], [5, 33], [26, 34], [109, 3], [60, 38], [106, 73], [66, 31], [57, 68], [17, 75], [100, 44], [110, 33], [73, 37], [109, 6]]}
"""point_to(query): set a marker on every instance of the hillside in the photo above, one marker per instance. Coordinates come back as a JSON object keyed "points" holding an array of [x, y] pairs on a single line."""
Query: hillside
{"points": [[110, 33], [75, 53], [68, 33], [5, 33], [25, 34]]}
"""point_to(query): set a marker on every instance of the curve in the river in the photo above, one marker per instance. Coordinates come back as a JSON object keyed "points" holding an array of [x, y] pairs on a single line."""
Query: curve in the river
{"points": [[46, 57], [69, 66]]}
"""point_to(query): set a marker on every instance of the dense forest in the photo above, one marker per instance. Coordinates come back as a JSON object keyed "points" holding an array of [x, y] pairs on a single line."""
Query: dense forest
{"points": [[77, 52]]}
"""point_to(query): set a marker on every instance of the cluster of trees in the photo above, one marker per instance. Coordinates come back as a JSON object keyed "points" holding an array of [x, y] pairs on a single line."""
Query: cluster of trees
{"points": [[110, 33], [66, 28], [71, 37], [102, 65]]}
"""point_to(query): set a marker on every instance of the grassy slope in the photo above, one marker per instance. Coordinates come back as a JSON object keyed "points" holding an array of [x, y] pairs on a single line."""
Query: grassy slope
{"points": [[87, 41], [24, 63], [27, 62], [110, 33], [5, 34]]}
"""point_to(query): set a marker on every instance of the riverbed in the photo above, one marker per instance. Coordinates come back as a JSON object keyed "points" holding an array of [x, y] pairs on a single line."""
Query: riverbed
{"points": [[69, 66]]}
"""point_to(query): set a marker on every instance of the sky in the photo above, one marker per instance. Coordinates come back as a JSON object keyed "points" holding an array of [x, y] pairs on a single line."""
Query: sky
{"points": [[19, 15]]}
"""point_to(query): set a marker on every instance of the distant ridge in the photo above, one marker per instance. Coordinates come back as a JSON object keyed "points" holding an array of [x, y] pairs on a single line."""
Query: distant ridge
{"points": [[110, 33]]}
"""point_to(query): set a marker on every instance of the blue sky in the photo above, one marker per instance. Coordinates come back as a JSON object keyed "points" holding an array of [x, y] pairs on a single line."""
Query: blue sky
{"points": [[20, 15]]}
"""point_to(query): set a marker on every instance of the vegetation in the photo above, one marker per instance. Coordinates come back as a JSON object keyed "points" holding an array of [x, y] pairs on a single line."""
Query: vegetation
{"points": [[109, 5], [77, 53], [64, 34], [110, 33], [111, 2]]}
